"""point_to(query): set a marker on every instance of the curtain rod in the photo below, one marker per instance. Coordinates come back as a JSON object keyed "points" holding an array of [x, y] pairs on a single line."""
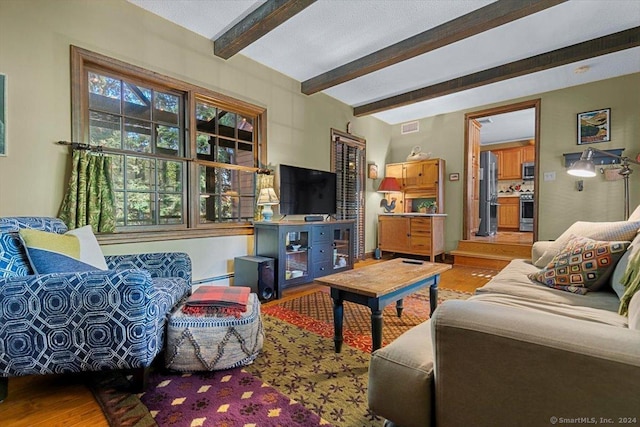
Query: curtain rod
{"points": [[101, 149], [82, 146]]}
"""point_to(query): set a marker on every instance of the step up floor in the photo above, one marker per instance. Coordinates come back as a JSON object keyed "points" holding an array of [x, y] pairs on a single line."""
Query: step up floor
{"points": [[494, 255]]}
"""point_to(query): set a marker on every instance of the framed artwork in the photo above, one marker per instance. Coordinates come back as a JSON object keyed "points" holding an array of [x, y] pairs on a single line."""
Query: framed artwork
{"points": [[3, 114], [373, 171], [594, 126], [454, 176]]}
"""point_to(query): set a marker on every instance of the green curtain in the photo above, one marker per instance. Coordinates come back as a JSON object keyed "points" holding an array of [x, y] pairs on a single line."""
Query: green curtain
{"points": [[89, 199]]}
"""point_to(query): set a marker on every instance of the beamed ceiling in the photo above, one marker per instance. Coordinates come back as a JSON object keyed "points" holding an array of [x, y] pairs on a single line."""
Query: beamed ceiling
{"points": [[401, 60]]}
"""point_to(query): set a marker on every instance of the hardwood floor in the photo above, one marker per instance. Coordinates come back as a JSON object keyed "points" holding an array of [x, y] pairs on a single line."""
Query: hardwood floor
{"points": [[50, 401], [64, 400]]}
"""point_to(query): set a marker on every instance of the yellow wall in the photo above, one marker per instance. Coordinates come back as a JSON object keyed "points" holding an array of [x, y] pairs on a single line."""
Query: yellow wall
{"points": [[35, 36], [560, 203]]}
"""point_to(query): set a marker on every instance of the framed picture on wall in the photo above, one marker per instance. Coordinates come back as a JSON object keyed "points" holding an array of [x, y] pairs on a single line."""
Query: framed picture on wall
{"points": [[3, 114], [373, 171], [594, 126]]}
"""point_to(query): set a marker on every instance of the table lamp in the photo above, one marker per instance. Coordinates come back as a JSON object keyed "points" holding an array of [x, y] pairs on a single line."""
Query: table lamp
{"points": [[389, 185], [266, 199]]}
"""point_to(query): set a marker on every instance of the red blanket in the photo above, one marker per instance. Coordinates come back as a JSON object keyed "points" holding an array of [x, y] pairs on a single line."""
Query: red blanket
{"points": [[213, 300]]}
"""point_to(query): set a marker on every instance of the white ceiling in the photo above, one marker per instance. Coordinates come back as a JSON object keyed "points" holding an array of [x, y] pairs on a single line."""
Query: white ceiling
{"points": [[330, 33], [514, 126]]}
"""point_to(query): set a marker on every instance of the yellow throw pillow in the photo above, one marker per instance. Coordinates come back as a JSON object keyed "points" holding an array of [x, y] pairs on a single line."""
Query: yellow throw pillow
{"points": [[77, 250]]}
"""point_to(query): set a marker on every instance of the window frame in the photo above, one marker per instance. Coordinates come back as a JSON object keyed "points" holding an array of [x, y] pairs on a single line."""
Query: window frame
{"points": [[83, 61]]}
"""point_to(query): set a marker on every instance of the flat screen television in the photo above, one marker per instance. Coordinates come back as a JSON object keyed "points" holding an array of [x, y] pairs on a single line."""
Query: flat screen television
{"points": [[307, 191]]}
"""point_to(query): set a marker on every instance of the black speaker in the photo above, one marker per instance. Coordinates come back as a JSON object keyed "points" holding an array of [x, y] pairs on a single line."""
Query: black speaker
{"points": [[258, 273]]}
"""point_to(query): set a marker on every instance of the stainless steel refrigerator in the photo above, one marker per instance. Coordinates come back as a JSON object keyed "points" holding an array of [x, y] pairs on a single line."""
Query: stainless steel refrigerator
{"points": [[488, 194]]}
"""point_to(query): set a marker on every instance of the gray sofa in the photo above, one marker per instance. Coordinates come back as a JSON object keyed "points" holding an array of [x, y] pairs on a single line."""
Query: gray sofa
{"points": [[517, 353]]}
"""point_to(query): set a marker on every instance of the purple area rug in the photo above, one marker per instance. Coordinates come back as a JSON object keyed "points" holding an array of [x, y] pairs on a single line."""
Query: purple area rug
{"points": [[222, 399], [298, 379]]}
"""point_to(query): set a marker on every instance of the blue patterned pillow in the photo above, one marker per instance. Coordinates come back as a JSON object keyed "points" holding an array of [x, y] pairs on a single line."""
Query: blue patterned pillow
{"points": [[13, 258], [75, 251]]}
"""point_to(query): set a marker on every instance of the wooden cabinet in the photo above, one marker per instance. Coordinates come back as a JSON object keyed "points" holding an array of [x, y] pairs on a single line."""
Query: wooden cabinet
{"points": [[411, 234], [304, 251], [393, 233], [529, 153], [509, 163], [395, 170], [509, 213], [421, 179], [422, 175]]}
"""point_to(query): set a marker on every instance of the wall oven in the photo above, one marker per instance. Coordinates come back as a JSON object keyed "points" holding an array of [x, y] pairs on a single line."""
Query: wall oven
{"points": [[526, 212], [528, 170]]}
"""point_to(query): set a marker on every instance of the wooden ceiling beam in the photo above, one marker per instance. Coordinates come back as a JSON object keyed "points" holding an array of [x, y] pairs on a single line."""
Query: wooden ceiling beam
{"points": [[622, 40], [475, 22], [255, 25]]}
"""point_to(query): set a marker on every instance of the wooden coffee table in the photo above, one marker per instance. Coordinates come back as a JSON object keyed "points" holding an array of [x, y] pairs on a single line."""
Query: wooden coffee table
{"points": [[379, 284]]}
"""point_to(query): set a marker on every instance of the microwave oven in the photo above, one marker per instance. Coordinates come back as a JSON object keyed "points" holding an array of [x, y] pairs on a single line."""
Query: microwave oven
{"points": [[528, 170]]}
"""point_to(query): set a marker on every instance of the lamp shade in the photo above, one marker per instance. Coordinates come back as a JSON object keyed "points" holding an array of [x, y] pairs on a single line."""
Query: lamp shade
{"points": [[389, 185], [583, 167], [267, 197]]}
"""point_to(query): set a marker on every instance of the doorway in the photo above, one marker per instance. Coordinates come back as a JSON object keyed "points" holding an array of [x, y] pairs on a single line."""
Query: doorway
{"points": [[513, 163]]}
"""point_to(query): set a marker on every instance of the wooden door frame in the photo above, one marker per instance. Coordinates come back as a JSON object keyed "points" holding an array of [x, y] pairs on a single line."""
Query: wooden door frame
{"points": [[467, 203]]}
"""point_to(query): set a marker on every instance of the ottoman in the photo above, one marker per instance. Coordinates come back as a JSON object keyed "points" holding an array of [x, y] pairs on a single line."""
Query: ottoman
{"points": [[207, 343]]}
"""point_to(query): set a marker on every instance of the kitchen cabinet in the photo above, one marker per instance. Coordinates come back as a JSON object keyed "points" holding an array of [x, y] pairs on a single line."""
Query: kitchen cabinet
{"points": [[395, 170], [509, 163], [412, 234], [529, 153], [420, 179], [508, 213], [303, 250], [421, 175]]}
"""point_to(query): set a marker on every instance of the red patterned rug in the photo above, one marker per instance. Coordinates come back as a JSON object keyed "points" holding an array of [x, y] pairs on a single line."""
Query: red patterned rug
{"points": [[298, 380], [314, 312]]}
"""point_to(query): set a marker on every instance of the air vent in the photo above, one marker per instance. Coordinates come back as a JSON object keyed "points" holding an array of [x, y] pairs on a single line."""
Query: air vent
{"points": [[485, 120], [409, 127]]}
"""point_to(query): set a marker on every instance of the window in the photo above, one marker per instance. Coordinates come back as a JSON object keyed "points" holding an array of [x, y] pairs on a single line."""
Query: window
{"points": [[183, 157], [348, 161], [226, 137], [143, 123]]}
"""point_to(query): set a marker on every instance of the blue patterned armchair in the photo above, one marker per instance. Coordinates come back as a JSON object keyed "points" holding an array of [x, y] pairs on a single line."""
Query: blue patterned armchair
{"points": [[86, 321]]}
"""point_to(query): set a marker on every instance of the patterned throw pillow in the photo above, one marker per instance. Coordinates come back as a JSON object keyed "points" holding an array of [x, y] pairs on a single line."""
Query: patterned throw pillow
{"points": [[75, 251], [609, 231], [13, 258], [583, 265]]}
